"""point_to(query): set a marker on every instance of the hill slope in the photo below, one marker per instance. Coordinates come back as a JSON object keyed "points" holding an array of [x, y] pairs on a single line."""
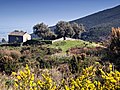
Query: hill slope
{"points": [[98, 25]]}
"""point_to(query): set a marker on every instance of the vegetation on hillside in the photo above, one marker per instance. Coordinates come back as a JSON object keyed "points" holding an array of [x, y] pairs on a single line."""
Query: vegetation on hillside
{"points": [[114, 47], [98, 25], [62, 29], [93, 77], [83, 66]]}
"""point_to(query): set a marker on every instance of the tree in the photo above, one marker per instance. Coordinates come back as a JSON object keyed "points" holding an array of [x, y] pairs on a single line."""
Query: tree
{"points": [[3, 40], [78, 29], [43, 31], [64, 29]]}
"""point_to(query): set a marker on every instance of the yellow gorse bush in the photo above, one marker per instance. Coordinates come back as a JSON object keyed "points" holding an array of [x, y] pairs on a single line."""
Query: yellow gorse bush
{"points": [[25, 80], [92, 78], [88, 80]]}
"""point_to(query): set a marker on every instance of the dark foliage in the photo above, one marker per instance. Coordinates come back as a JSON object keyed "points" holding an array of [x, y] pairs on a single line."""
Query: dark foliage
{"points": [[43, 31], [37, 42], [64, 29], [12, 45]]}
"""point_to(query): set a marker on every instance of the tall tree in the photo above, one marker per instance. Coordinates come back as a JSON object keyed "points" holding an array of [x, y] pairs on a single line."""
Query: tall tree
{"points": [[64, 29], [43, 31], [78, 29], [3, 40]]}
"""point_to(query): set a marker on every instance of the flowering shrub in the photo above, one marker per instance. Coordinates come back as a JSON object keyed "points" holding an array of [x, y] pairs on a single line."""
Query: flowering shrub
{"points": [[25, 80], [92, 78], [90, 81]]}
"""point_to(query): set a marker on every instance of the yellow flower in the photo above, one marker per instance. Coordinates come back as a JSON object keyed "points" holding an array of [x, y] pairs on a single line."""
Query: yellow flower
{"points": [[22, 74], [31, 88], [38, 82], [31, 83], [82, 89], [54, 87], [49, 80], [34, 84], [96, 62], [16, 85], [113, 81], [88, 81], [43, 76], [84, 82], [21, 84], [28, 72], [14, 73], [66, 87], [63, 81], [26, 67], [16, 80], [21, 88], [110, 66], [73, 87], [102, 71], [95, 82], [18, 77], [92, 86], [35, 88], [117, 73], [32, 77]]}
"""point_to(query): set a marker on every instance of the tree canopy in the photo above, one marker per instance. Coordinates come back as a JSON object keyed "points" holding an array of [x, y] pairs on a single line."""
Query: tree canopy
{"points": [[62, 29], [43, 31], [78, 29], [65, 29]]}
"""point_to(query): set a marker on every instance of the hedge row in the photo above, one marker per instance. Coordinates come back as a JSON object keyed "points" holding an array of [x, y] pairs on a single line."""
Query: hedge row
{"points": [[37, 42]]}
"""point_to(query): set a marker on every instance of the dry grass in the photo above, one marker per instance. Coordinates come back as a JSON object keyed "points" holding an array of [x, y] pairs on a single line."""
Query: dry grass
{"points": [[14, 54]]}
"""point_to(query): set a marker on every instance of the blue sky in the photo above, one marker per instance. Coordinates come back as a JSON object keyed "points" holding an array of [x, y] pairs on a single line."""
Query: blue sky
{"points": [[24, 14]]}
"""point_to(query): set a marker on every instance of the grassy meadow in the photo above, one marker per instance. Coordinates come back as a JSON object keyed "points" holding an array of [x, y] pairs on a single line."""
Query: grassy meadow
{"points": [[67, 44]]}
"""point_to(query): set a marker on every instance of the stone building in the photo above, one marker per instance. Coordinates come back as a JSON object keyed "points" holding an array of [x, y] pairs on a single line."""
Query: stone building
{"points": [[18, 37]]}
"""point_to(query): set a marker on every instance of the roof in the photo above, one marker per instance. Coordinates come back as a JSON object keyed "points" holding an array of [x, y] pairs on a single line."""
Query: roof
{"points": [[17, 33]]}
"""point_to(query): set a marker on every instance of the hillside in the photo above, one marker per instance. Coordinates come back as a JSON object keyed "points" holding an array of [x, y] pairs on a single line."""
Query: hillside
{"points": [[98, 25], [55, 66]]}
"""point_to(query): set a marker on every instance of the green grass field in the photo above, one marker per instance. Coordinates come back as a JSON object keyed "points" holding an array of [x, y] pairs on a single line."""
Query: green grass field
{"points": [[65, 45]]}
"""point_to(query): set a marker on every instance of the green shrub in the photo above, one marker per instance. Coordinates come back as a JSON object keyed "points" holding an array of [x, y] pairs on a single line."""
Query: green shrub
{"points": [[9, 61], [43, 63], [46, 41], [37, 42]]}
